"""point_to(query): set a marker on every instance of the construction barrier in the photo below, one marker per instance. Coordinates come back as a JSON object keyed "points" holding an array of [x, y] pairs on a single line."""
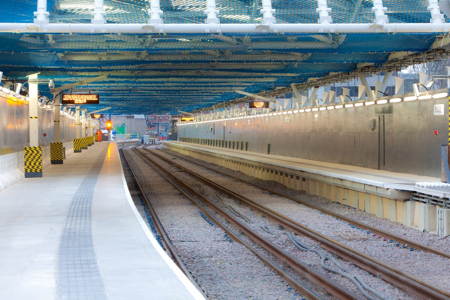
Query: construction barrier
{"points": [[33, 162], [57, 153]]}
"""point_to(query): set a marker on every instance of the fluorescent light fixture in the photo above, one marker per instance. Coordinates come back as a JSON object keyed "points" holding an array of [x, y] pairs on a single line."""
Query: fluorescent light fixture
{"points": [[302, 110], [339, 106], [410, 98], [308, 109], [359, 104], [315, 109], [425, 97], [330, 107], [440, 95], [348, 105], [295, 111], [395, 100], [323, 108], [383, 101]]}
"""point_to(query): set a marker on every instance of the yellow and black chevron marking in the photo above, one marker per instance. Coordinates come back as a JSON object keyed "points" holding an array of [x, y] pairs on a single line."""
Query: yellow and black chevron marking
{"points": [[57, 153], [77, 145], [84, 143], [33, 162]]}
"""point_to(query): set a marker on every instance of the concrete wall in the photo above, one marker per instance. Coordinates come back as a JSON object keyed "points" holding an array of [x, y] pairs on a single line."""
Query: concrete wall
{"points": [[398, 137], [14, 136], [133, 125]]}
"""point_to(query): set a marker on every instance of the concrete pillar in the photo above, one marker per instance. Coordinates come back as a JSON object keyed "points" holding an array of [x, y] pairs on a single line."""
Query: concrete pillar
{"points": [[430, 218], [78, 122], [83, 123], [399, 86], [443, 221], [57, 154], [33, 153], [33, 110]]}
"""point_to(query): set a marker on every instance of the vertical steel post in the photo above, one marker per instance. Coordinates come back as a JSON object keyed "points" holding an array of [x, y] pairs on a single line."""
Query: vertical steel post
{"points": [[41, 14], [379, 10], [211, 12], [268, 11], [155, 12], [324, 12], [435, 11], [99, 13]]}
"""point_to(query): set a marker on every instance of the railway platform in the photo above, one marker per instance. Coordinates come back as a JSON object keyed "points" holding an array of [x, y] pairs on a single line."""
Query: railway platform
{"points": [[382, 193], [76, 234]]}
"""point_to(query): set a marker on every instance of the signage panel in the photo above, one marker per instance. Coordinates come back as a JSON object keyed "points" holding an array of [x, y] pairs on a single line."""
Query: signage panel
{"points": [[258, 104], [80, 99]]}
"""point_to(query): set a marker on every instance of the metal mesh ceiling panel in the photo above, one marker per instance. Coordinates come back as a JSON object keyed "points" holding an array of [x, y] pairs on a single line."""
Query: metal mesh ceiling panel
{"points": [[158, 71], [235, 11], [302, 11]]}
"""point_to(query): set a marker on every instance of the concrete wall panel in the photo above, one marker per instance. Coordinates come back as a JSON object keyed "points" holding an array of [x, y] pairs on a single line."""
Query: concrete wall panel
{"points": [[401, 137], [14, 135]]}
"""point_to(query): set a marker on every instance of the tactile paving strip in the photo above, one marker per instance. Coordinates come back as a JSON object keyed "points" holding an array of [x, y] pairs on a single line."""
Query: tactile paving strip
{"points": [[78, 276]]}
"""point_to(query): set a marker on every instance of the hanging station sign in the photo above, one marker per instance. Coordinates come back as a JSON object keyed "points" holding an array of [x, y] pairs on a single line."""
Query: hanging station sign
{"points": [[80, 99]]}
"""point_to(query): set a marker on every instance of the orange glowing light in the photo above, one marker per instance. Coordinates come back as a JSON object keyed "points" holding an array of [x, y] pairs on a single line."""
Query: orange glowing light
{"points": [[109, 125]]}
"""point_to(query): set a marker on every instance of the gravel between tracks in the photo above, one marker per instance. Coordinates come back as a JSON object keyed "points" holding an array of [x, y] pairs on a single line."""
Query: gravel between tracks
{"points": [[223, 268], [430, 268]]}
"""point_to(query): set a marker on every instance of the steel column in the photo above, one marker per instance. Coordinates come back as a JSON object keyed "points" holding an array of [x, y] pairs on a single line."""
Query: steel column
{"points": [[379, 11], [41, 14], [268, 11], [324, 12], [435, 11], [155, 12], [99, 13], [211, 12]]}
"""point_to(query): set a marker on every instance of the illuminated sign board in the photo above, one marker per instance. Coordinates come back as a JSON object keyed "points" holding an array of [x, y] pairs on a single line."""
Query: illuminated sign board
{"points": [[258, 104], [187, 119], [80, 99]]}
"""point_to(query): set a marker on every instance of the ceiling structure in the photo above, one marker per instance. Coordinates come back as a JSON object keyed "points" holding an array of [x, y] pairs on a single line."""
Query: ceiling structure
{"points": [[164, 72]]}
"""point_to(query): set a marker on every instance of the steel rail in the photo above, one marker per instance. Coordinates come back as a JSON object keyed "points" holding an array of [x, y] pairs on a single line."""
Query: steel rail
{"points": [[271, 248], [384, 234], [393, 276]]}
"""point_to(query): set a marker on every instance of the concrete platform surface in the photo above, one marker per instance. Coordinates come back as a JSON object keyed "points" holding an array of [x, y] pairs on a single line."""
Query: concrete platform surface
{"points": [[76, 234], [378, 178]]}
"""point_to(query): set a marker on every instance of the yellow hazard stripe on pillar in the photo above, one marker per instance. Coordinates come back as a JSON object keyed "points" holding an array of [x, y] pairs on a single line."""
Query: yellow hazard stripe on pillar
{"points": [[57, 153], [77, 145], [32, 162]]}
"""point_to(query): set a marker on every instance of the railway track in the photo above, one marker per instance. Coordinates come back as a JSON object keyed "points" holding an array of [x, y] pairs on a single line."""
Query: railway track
{"points": [[360, 225], [409, 284], [210, 208]]}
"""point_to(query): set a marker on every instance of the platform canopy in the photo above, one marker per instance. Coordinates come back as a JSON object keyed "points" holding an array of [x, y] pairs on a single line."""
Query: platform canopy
{"points": [[169, 55]]}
